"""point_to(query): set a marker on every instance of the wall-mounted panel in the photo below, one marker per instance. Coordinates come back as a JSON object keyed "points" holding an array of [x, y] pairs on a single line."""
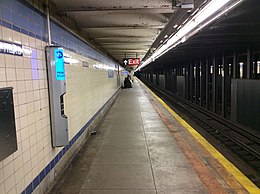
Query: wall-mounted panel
{"points": [[8, 143], [245, 95]]}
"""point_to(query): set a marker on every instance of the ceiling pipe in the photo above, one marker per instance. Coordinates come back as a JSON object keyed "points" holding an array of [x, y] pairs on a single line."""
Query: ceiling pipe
{"points": [[48, 22]]}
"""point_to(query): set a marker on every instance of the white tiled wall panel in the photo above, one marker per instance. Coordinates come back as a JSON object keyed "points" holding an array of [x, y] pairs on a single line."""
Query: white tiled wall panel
{"points": [[88, 89]]}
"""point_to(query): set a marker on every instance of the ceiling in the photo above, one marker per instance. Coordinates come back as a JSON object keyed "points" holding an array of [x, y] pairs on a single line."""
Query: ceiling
{"points": [[126, 29], [236, 31], [134, 29]]}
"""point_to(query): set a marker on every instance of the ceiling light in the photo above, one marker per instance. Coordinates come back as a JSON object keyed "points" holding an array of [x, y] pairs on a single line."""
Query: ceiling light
{"points": [[184, 38], [192, 26]]}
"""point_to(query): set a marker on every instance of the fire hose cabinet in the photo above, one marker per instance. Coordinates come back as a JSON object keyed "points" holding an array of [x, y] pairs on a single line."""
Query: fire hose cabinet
{"points": [[8, 140]]}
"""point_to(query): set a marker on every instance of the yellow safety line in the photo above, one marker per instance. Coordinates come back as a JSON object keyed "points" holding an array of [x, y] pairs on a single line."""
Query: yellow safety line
{"points": [[241, 178]]}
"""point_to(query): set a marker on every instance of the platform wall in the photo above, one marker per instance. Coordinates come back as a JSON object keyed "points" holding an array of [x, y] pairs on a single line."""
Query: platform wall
{"points": [[35, 165]]}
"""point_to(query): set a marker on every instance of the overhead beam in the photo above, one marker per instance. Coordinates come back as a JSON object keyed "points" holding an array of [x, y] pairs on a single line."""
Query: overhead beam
{"points": [[127, 50], [124, 27], [148, 43], [124, 40], [128, 54], [124, 37], [105, 10], [109, 48]]}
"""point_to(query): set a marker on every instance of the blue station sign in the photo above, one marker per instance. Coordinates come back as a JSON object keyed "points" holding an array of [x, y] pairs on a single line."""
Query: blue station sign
{"points": [[59, 63]]}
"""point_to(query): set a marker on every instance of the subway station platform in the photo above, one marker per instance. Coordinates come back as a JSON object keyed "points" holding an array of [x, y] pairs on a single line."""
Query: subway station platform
{"points": [[140, 148]]}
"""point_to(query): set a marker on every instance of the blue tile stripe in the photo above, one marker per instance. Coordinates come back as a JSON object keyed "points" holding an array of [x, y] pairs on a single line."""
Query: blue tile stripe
{"points": [[33, 185]]}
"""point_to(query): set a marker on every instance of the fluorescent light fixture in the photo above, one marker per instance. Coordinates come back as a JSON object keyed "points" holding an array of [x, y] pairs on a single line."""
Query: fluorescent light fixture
{"points": [[209, 10], [192, 26], [187, 6]]}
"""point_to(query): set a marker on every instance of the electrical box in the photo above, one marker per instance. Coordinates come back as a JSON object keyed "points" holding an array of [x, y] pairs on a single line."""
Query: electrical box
{"points": [[57, 90], [8, 141]]}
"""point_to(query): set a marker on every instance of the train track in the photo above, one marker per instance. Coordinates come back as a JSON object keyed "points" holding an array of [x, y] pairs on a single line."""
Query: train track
{"points": [[244, 144]]}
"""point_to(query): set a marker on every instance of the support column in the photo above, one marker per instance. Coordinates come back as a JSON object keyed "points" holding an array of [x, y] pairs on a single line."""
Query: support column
{"points": [[207, 82], [165, 78], [202, 82], [249, 65], [224, 86], [174, 77], [214, 84], [191, 81], [233, 88], [156, 77], [235, 65], [254, 67], [197, 86], [187, 68]]}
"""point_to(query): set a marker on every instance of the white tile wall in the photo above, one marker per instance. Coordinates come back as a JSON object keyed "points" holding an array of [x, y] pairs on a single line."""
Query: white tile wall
{"points": [[9, 183], [8, 160], [25, 40], [12, 191], [19, 174], [20, 186], [1, 174], [7, 34], [2, 61], [17, 37], [87, 91], [1, 34], [9, 61], [18, 163], [10, 74], [2, 188], [2, 75], [8, 170]]}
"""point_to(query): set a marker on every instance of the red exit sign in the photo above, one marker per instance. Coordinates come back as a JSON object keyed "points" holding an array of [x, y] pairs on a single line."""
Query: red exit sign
{"points": [[135, 61], [131, 61]]}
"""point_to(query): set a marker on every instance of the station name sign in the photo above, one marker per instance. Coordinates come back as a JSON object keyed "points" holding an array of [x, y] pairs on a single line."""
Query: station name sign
{"points": [[11, 48], [131, 61], [85, 64]]}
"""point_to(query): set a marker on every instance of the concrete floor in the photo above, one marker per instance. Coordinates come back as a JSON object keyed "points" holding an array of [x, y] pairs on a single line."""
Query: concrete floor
{"points": [[133, 152]]}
